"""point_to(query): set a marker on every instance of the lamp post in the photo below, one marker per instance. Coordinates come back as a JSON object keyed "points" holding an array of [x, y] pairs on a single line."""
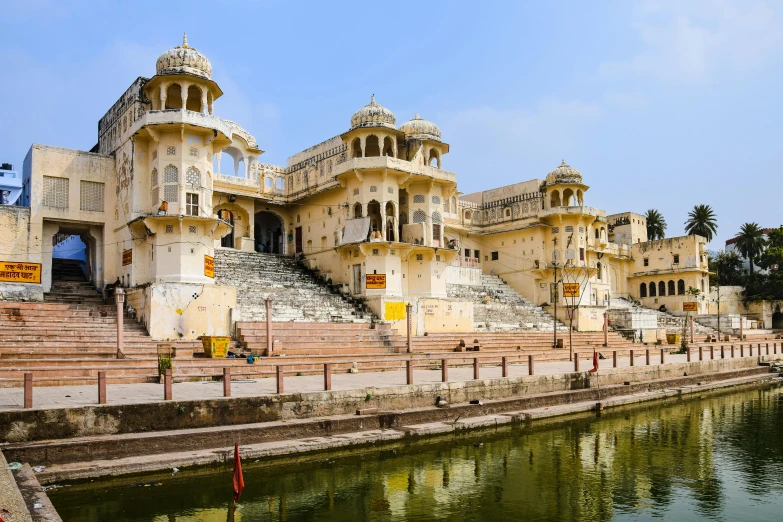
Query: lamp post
{"points": [[119, 295]]}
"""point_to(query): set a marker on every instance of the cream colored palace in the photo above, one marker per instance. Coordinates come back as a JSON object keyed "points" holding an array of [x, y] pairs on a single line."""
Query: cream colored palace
{"points": [[373, 209]]}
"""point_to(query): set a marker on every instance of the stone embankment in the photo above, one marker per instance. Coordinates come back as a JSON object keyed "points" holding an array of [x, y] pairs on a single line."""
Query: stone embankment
{"points": [[117, 439]]}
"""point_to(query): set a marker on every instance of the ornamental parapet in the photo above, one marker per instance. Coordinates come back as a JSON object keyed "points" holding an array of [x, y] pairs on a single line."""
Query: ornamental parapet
{"points": [[400, 165]]}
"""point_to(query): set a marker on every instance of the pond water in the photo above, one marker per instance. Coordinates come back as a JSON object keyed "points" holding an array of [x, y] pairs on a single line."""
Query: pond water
{"points": [[715, 458]]}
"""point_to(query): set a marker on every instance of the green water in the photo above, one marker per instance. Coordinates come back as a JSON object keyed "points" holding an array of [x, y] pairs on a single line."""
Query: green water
{"points": [[715, 458]]}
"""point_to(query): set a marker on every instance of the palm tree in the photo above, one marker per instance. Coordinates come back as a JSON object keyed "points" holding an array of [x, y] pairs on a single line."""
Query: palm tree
{"points": [[701, 222], [656, 225], [751, 242]]}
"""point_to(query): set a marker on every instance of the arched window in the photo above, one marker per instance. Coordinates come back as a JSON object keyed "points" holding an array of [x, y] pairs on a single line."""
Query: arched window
{"points": [[434, 159], [194, 99], [568, 196], [174, 97], [597, 233], [507, 212], [193, 178], [468, 215], [681, 287], [298, 218], [171, 184], [454, 204], [268, 183], [371, 146], [280, 183], [661, 288], [652, 289], [671, 287], [643, 290], [436, 228], [357, 210], [356, 148], [554, 200], [599, 272], [388, 149], [702, 286], [419, 216]]}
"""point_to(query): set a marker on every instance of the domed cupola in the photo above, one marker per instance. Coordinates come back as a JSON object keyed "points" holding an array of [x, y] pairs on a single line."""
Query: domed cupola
{"points": [[184, 59], [373, 115], [420, 129], [564, 174]]}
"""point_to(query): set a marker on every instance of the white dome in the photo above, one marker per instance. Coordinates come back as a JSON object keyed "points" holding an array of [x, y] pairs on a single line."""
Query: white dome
{"points": [[184, 59], [564, 174], [419, 128], [373, 115]]}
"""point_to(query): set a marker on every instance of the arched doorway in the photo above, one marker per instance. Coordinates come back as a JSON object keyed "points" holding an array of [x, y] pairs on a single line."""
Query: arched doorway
{"points": [[269, 233], [227, 241], [777, 319]]}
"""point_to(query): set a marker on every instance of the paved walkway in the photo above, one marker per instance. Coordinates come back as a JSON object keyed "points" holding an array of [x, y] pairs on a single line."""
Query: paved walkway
{"points": [[48, 397]]}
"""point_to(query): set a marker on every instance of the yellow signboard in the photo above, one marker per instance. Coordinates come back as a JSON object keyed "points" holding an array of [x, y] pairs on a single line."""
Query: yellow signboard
{"points": [[127, 257], [395, 311], [570, 289], [209, 266], [11, 272], [690, 307], [375, 281]]}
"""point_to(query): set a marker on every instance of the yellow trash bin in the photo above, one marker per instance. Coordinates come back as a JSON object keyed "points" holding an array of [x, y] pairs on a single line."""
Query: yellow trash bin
{"points": [[215, 346], [673, 338]]}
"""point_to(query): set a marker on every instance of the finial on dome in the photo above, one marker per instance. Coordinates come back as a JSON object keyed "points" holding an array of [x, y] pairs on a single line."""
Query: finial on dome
{"points": [[372, 99], [417, 117], [184, 39], [563, 163]]}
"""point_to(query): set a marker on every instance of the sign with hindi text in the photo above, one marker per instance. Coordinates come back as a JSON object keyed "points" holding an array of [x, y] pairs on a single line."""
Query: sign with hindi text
{"points": [[570, 289], [127, 257], [19, 272], [690, 307], [375, 281], [209, 266]]}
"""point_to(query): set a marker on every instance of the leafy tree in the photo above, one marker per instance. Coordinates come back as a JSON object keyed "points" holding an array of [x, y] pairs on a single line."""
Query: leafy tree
{"points": [[768, 286], [751, 242], [656, 225], [702, 222], [725, 269]]}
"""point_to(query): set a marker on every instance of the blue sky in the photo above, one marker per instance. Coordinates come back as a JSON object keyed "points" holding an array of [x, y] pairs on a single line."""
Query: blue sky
{"points": [[659, 104]]}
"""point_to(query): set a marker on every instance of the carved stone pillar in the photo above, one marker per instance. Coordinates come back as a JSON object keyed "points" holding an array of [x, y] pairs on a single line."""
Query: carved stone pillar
{"points": [[184, 91], [163, 87]]}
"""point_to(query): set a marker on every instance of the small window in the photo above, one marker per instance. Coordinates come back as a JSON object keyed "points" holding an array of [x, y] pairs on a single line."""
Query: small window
{"points": [[170, 151], [418, 198], [194, 152], [508, 212], [646, 262], [419, 257], [467, 252], [373, 188], [437, 257], [435, 200], [494, 256], [476, 254], [192, 229], [191, 204], [569, 229], [356, 192], [169, 229], [676, 259], [154, 154], [390, 190], [581, 254], [555, 230]]}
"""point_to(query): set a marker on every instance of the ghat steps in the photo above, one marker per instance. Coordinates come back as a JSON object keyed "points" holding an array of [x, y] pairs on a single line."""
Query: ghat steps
{"points": [[672, 323], [296, 294], [497, 307]]}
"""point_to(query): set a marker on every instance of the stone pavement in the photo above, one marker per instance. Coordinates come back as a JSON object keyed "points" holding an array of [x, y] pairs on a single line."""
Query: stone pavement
{"points": [[47, 397]]}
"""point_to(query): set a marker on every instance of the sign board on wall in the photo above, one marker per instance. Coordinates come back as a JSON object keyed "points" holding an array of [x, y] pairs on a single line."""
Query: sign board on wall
{"points": [[690, 307], [11, 272], [127, 257], [570, 289], [209, 266], [395, 311], [375, 281]]}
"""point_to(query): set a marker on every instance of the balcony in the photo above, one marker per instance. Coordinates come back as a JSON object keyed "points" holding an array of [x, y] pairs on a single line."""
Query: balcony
{"points": [[388, 162], [576, 211]]}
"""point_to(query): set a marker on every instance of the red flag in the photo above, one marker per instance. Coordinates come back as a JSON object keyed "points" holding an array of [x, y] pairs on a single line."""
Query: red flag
{"points": [[239, 480], [595, 362]]}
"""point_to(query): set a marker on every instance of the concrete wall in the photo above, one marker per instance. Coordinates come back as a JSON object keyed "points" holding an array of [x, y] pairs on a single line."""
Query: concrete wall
{"points": [[18, 244]]}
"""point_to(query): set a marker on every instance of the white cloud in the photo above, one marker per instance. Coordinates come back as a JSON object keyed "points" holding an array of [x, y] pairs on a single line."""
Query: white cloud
{"points": [[692, 42]]}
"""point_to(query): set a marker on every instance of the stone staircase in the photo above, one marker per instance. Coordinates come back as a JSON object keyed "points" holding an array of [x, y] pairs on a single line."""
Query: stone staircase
{"points": [[296, 293], [70, 285], [672, 323], [498, 308]]}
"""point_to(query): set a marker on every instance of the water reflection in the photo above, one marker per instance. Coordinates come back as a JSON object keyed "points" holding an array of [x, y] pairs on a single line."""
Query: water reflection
{"points": [[713, 459]]}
